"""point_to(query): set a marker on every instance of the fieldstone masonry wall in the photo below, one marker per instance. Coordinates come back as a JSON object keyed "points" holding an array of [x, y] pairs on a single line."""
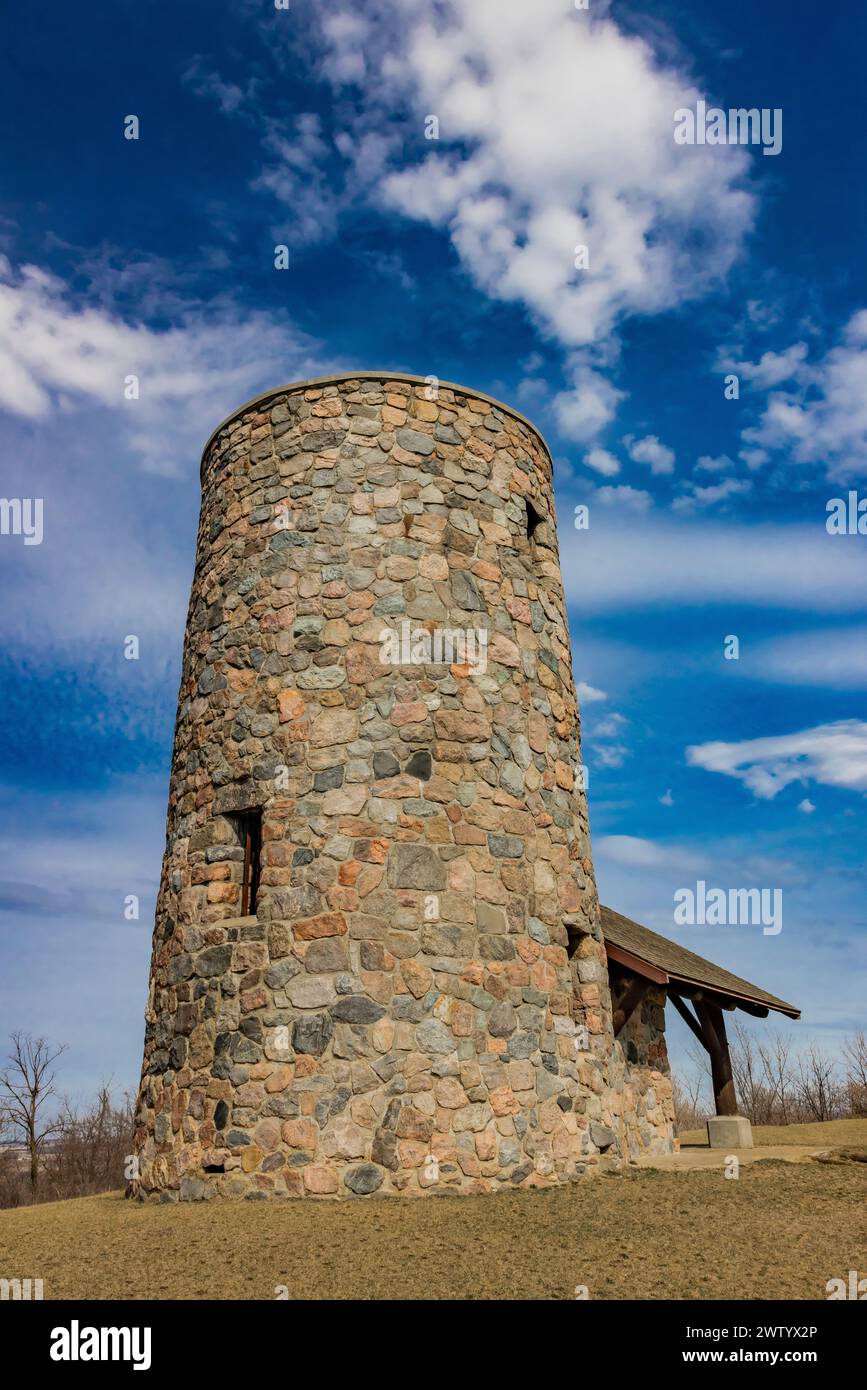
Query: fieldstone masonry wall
{"points": [[647, 1107], [421, 1001]]}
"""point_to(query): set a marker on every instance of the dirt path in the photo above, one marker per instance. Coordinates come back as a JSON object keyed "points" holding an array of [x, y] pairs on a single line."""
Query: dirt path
{"points": [[700, 1156]]}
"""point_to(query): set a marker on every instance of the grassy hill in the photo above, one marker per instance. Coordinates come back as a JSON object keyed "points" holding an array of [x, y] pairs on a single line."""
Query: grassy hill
{"points": [[828, 1133]]}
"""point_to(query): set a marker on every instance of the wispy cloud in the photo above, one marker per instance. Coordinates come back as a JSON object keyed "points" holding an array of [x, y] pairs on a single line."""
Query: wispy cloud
{"points": [[658, 457], [831, 755], [772, 368], [833, 659], [623, 498], [58, 356], [205, 82], [628, 563], [601, 461], [640, 853], [713, 495], [588, 694], [821, 419]]}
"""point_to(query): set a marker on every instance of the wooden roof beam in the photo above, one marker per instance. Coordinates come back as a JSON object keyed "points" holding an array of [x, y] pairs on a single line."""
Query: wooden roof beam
{"points": [[636, 965]]}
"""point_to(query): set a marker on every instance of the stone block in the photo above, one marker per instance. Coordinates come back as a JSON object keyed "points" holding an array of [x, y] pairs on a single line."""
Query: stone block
{"points": [[729, 1132]]}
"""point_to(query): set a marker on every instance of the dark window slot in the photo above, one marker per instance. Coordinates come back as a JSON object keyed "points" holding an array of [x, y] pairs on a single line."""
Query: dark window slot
{"points": [[250, 834]]}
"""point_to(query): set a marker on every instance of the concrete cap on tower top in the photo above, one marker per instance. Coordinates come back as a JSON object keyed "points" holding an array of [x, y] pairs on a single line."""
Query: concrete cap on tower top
{"points": [[411, 378]]}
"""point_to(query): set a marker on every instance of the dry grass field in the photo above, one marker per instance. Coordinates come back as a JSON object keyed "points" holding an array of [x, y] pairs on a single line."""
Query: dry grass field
{"points": [[779, 1231], [830, 1133]]}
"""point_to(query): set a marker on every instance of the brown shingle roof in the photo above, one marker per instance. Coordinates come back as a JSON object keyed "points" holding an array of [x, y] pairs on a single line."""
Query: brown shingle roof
{"points": [[685, 966]]}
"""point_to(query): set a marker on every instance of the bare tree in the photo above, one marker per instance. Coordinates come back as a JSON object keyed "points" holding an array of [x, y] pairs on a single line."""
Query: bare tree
{"points": [[818, 1088], [765, 1078], [92, 1146], [855, 1060], [690, 1090], [777, 1071], [690, 1109], [751, 1094], [25, 1086]]}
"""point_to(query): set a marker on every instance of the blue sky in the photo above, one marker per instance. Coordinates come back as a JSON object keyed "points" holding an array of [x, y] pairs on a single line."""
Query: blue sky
{"points": [[453, 257]]}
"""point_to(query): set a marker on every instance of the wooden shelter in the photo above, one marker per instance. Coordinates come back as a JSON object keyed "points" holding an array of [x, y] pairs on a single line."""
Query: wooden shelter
{"points": [[640, 959]]}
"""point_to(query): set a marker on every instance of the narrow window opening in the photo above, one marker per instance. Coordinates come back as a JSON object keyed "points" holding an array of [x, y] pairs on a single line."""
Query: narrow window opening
{"points": [[534, 521], [250, 834]]}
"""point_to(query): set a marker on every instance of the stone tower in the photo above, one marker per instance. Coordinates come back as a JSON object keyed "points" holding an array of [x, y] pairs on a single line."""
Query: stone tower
{"points": [[377, 961]]}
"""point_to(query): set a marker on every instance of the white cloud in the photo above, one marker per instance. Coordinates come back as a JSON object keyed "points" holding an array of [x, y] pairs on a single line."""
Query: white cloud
{"points": [[584, 411], [100, 573], [772, 368], [822, 418], [515, 179], [666, 799], [754, 458], [517, 86], [708, 464], [723, 861], [101, 463], [630, 849], [625, 561], [630, 499], [607, 751], [316, 179], [611, 755], [346, 33], [834, 659], [298, 176], [650, 451], [762, 316], [531, 391], [610, 726], [639, 853], [832, 755], [59, 356], [602, 462], [588, 694], [789, 965], [206, 83], [708, 496], [806, 806]]}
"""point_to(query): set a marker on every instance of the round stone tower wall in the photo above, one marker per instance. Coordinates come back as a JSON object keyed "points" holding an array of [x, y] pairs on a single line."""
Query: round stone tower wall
{"points": [[377, 663]]}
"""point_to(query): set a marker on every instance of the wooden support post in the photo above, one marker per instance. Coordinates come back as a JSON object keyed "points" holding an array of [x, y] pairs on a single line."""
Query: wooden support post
{"points": [[714, 1028], [710, 1029], [687, 1017]]}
